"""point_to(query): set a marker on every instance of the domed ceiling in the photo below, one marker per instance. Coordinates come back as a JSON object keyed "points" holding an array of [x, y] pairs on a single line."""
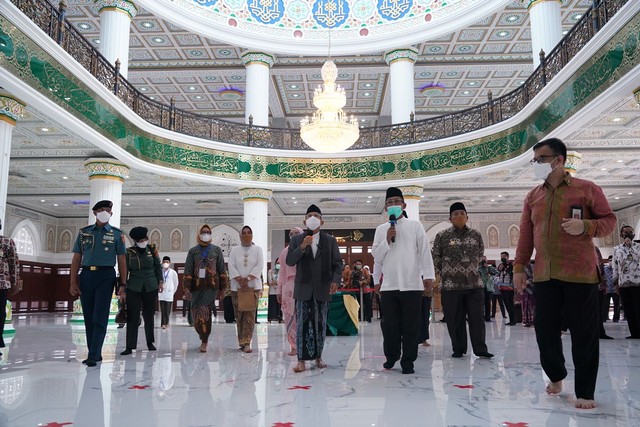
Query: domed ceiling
{"points": [[304, 26]]}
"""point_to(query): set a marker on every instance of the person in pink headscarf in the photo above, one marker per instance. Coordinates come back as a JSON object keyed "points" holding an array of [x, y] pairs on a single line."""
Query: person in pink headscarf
{"points": [[286, 280]]}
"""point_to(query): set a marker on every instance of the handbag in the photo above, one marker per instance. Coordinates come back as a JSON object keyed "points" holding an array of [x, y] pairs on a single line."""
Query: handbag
{"points": [[121, 316], [247, 300]]}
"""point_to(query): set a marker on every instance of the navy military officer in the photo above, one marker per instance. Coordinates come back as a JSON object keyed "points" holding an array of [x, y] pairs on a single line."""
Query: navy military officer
{"points": [[96, 249]]}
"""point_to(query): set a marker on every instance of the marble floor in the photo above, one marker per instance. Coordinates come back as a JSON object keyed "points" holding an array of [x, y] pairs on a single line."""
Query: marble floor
{"points": [[43, 383]]}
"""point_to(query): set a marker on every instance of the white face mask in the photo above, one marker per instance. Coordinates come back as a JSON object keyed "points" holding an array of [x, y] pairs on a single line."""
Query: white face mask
{"points": [[103, 216], [205, 237], [542, 170], [141, 245], [313, 223], [166, 265]]}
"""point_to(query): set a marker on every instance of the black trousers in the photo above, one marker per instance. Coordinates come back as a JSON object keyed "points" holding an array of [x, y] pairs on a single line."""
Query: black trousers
{"points": [[578, 303], [165, 312], [460, 306], [274, 313], [631, 304], [507, 297], [229, 314], [425, 314], [401, 325], [616, 306], [96, 288], [367, 306], [136, 301], [495, 300], [3, 313], [487, 305]]}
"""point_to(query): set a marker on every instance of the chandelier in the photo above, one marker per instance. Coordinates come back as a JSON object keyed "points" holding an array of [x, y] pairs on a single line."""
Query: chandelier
{"points": [[329, 130]]}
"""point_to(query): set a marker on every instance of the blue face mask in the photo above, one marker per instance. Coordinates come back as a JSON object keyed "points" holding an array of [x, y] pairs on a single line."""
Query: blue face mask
{"points": [[395, 210]]}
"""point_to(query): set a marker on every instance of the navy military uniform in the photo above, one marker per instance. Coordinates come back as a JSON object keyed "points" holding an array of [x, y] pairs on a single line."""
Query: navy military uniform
{"points": [[99, 247]]}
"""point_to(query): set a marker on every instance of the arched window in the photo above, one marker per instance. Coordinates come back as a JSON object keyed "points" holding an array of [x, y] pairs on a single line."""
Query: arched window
{"points": [[24, 242]]}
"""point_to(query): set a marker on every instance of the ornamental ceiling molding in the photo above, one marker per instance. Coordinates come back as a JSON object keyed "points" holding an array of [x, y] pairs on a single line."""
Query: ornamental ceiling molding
{"points": [[36, 69], [292, 27]]}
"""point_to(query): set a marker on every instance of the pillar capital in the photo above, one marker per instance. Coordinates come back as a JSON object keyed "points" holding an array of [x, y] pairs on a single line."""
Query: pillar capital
{"points": [[255, 194], [252, 57], [573, 162], [408, 54], [124, 6], [412, 192], [531, 3], [11, 109], [106, 169]]}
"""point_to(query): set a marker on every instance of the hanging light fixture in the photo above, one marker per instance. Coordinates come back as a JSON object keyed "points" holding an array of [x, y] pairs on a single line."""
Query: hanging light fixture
{"points": [[329, 130]]}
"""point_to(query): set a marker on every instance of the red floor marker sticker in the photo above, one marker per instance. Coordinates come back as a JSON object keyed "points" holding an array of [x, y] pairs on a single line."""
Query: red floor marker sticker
{"points": [[139, 387], [508, 424], [299, 387], [463, 386], [55, 424], [283, 424]]}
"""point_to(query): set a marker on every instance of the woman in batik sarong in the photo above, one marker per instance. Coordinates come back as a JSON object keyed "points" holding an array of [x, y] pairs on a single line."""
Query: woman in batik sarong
{"points": [[204, 280]]}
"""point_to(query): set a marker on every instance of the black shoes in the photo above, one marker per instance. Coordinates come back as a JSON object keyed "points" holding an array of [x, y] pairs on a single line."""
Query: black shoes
{"points": [[605, 337], [126, 352], [485, 355], [511, 324], [408, 369], [388, 364], [89, 362], [151, 347], [457, 354]]}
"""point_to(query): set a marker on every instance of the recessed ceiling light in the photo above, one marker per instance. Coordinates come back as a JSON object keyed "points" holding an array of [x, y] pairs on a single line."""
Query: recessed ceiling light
{"points": [[192, 88], [83, 26], [158, 39], [295, 203], [370, 197], [493, 200], [617, 198], [512, 18], [47, 170], [55, 204], [564, 32], [577, 16], [293, 198], [127, 204], [42, 200], [175, 204], [198, 97], [503, 33], [368, 201], [143, 89], [147, 24], [65, 177], [293, 86], [630, 193], [499, 195], [96, 41], [620, 161], [168, 200], [473, 83], [296, 95], [367, 94], [44, 129], [368, 85], [521, 82], [422, 197], [466, 92], [363, 120], [152, 97], [617, 119], [603, 169]]}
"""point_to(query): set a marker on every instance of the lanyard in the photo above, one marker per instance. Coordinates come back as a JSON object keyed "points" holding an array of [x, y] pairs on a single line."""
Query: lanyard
{"points": [[204, 252], [165, 274]]}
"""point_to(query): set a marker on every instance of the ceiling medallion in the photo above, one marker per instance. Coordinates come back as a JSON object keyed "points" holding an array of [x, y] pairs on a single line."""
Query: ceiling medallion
{"points": [[432, 89], [329, 130], [230, 93]]}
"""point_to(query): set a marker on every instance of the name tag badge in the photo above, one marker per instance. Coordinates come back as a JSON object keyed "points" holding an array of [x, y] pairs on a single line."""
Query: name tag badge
{"points": [[201, 273]]}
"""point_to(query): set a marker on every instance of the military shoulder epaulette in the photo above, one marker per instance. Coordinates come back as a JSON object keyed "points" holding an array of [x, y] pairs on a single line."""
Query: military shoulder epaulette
{"points": [[87, 227], [116, 228]]}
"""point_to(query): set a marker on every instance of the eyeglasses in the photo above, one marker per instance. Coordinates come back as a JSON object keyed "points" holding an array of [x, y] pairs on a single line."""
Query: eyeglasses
{"points": [[540, 159]]}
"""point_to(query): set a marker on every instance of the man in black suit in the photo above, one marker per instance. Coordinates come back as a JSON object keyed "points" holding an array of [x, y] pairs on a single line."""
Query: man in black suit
{"points": [[319, 270]]}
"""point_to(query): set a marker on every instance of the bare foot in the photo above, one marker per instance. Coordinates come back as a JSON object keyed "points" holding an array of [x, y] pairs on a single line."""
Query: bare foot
{"points": [[585, 404], [203, 347], [299, 367], [293, 352], [320, 364], [554, 388], [247, 349], [426, 344]]}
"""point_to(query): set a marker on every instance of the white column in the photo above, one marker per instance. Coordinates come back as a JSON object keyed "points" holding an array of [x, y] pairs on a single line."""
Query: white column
{"points": [[115, 20], [256, 216], [412, 196], [10, 111], [106, 177], [401, 81], [258, 82], [546, 26]]}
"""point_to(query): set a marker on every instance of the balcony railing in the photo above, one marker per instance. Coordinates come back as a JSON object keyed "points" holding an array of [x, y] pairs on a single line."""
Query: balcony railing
{"points": [[52, 21]]}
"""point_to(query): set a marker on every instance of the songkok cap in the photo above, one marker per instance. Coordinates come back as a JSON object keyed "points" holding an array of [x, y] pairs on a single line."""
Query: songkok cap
{"points": [[166, 258], [313, 208], [394, 192], [457, 206], [103, 204], [138, 233]]}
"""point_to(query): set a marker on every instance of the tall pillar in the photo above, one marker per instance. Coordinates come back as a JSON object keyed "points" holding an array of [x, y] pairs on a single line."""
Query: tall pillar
{"points": [[412, 197], [106, 177], [546, 26], [256, 216], [401, 80], [115, 20], [258, 66], [10, 111]]}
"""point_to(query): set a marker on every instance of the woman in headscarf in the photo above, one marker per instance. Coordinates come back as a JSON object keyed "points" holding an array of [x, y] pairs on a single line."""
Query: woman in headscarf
{"points": [[245, 268], [286, 281], [204, 280], [145, 278]]}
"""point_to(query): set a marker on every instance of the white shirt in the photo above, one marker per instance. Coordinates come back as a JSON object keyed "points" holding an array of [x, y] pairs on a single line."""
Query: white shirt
{"points": [[314, 243], [170, 277], [407, 261], [245, 262]]}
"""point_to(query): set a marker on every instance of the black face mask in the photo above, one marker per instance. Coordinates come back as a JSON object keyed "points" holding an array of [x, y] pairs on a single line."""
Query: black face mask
{"points": [[504, 260], [483, 262], [628, 235]]}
